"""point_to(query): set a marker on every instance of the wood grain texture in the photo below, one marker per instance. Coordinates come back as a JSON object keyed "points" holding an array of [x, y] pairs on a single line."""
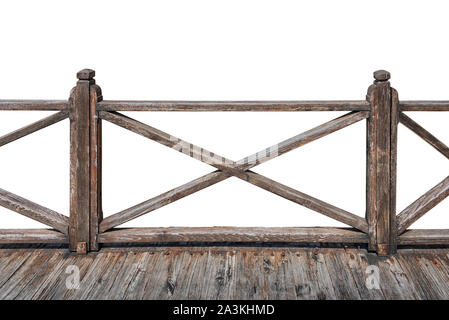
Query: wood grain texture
{"points": [[79, 230], [95, 148], [43, 123], [352, 105], [232, 234], [34, 105], [424, 106], [422, 205], [31, 236], [394, 121], [34, 211], [424, 134], [223, 272], [381, 171], [424, 237]]}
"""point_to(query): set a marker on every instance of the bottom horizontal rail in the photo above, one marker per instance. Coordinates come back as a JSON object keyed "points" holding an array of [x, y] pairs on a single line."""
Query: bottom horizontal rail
{"points": [[233, 234], [424, 237], [12, 236]]}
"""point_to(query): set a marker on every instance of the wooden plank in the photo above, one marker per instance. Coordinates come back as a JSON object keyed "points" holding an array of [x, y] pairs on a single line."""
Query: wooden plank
{"points": [[31, 236], [310, 287], [55, 280], [13, 264], [35, 126], [249, 281], [344, 285], [79, 231], [371, 169], [424, 237], [27, 292], [215, 275], [393, 280], [34, 211], [424, 134], [353, 105], [422, 205], [25, 274], [96, 277], [232, 234], [134, 286], [59, 290], [108, 278], [431, 266], [274, 275], [352, 262], [326, 287], [424, 106], [96, 214], [134, 264], [392, 222], [194, 283], [410, 262], [162, 274], [38, 105]]}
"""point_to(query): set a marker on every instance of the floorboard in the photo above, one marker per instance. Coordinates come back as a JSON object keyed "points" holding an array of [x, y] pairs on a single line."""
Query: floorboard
{"points": [[222, 272]]}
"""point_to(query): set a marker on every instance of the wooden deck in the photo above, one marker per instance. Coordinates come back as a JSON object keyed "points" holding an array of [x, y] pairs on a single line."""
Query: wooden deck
{"points": [[222, 272]]}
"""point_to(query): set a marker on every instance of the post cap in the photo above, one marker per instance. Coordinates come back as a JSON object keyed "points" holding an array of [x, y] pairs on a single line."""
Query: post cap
{"points": [[382, 75], [86, 74]]}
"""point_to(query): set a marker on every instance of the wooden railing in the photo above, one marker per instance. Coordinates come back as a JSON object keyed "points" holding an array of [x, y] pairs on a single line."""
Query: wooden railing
{"points": [[85, 229]]}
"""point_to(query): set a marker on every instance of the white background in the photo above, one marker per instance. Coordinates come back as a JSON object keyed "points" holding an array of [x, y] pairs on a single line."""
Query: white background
{"points": [[222, 50]]}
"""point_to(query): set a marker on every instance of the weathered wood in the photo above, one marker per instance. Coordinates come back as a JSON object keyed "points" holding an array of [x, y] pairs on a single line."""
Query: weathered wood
{"points": [[31, 236], [232, 234], [424, 106], [233, 106], [79, 230], [422, 205], [43, 123], [424, 237], [222, 272], [35, 105], [392, 219], [95, 215], [380, 169], [424, 134], [34, 211]]}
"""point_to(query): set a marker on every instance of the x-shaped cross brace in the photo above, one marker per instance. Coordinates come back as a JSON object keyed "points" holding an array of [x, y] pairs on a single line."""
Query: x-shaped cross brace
{"points": [[240, 169]]}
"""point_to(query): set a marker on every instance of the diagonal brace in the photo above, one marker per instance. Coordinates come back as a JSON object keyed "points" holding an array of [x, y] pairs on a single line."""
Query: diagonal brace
{"points": [[238, 169]]}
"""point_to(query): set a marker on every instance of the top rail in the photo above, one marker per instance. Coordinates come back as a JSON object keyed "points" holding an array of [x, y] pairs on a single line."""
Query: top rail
{"points": [[35, 105], [351, 105], [200, 106], [424, 105]]}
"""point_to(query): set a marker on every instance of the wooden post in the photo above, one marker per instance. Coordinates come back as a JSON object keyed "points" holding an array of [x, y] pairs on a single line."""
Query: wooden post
{"points": [[381, 165], [85, 193]]}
